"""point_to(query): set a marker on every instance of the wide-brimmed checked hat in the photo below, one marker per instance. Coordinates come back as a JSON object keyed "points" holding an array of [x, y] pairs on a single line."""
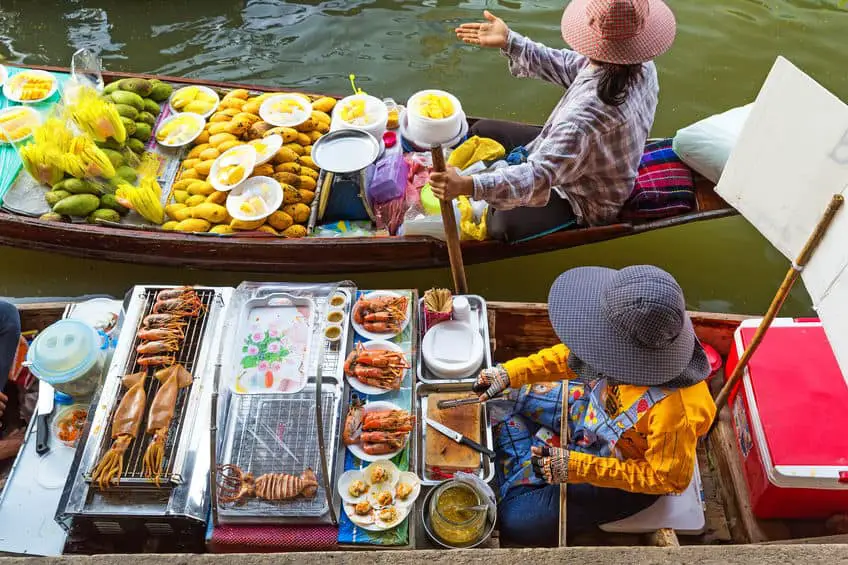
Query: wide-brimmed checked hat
{"points": [[629, 325], [625, 32]]}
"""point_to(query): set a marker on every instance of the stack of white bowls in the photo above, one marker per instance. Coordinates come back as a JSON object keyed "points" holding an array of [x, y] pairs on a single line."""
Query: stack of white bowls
{"points": [[427, 131]]}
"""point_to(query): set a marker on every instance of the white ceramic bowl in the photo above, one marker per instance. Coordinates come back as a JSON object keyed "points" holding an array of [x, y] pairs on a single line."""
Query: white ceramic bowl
{"points": [[197, 123], [272, 144], [429, 131], [11, 91], [243, 155], [268, 112], [204, 89], [266, 188]]}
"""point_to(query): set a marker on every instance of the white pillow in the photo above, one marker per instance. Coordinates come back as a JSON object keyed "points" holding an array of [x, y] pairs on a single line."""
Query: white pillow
{"points": [[706, 145]]}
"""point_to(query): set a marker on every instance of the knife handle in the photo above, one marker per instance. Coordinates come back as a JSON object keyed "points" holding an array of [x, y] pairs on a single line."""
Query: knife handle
{"points": [[477, 447], [41, 432]]}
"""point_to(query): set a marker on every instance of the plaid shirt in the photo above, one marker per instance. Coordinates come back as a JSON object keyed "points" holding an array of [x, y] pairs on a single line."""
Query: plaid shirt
{"points": [[587, 151]]}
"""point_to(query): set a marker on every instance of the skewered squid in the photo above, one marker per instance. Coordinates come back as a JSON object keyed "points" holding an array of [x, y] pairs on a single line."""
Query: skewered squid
{"points": [[125, 425], [160, 415], [234, 485]]}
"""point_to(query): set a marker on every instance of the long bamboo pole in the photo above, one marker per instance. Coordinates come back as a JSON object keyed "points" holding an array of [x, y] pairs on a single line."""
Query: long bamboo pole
{"points": [[460, 284], [779, 298]]}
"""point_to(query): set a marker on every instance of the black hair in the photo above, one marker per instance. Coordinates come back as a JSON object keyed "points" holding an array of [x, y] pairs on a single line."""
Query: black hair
{"points": [[615, 81]]}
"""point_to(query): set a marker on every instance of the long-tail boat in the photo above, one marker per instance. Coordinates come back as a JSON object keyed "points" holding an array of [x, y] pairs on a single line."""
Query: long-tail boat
{"points": [[259, 252], [520, 329]]}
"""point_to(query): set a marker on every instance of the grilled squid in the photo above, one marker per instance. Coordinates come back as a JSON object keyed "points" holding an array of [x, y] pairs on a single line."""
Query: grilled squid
{"points": [[159, 418]]}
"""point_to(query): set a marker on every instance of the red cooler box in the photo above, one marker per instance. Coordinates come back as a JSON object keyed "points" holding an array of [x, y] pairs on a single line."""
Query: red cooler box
{"points": [[790, 414]]}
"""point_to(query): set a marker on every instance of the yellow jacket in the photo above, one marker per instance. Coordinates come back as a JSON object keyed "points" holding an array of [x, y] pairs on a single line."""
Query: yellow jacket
{"points": [[658, 452]]}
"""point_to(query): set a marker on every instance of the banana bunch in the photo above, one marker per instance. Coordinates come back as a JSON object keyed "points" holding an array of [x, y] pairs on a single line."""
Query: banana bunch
{"points": [[97, 117], [146, 198]]}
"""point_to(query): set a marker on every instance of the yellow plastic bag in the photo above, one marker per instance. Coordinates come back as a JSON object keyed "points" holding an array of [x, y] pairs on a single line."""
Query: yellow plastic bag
{"points": [[468, 228], [476, 149]]}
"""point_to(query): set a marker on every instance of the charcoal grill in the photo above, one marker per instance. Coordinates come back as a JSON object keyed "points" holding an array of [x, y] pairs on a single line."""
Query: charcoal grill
{"points": [[180, 503]]}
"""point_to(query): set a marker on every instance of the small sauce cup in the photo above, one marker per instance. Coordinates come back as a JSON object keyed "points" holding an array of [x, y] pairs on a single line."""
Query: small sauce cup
{"points": [[333, 332], [335, 317], [338, 300]]}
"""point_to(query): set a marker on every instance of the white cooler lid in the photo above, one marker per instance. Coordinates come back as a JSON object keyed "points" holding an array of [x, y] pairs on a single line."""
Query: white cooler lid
{"points": [[452, 349]]}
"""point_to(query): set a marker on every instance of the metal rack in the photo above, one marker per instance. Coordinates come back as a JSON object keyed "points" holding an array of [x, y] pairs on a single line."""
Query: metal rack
{"points": [[174, 457]]}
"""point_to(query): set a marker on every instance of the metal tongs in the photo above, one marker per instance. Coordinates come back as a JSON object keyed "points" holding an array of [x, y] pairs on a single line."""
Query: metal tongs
{"points": [[478, 388]]}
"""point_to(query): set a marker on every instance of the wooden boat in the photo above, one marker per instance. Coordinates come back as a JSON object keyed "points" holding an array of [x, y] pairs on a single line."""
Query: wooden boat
{"points": [[264, 253], [520, 329]]}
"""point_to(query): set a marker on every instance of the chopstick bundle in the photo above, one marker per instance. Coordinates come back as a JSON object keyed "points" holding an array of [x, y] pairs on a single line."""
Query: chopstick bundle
{"points": [[438, 305]]}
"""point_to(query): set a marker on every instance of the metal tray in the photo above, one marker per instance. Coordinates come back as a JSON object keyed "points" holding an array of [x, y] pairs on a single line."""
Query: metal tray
{"points": [[258, 442], [422, 392], [479, 316]]}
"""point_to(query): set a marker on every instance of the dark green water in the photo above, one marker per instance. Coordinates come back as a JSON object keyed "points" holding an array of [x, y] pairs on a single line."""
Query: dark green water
{"points": [[724, 50]]}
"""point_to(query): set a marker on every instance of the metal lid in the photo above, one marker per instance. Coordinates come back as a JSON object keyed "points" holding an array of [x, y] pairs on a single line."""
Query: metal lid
{"points": [[64, 351], [345, 151]]}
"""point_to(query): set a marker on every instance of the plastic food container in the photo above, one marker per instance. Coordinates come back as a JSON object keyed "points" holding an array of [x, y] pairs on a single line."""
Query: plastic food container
{"points": [[362, 112], [433, 131], [68, 424], [452, 350], [456, 528], [68, 355], [17, 123]]}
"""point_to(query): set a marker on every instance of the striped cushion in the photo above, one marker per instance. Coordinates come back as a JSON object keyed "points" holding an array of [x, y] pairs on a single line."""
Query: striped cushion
{"points": [[664, 185]]}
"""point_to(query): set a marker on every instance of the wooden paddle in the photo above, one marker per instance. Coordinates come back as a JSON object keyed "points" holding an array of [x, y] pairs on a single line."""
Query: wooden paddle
{"points": [[460, 285], [778, 300]]}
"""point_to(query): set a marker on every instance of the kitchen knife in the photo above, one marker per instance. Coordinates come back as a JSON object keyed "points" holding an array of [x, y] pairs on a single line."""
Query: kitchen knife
{"points": [[445, 404], [459, 438], [42, 422]]}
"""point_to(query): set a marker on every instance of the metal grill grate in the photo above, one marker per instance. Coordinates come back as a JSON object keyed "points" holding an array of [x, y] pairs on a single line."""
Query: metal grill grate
{"points": [[187, 356], [277, 434]]}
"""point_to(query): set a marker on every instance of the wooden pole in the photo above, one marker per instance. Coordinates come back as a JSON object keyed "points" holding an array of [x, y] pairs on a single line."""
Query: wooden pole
{"points": [[779, 299], [460, 285], [563, 487]]}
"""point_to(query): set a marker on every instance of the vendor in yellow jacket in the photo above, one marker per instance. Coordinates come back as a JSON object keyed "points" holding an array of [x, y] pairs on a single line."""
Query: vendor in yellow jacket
{"points": [[637, 403]]}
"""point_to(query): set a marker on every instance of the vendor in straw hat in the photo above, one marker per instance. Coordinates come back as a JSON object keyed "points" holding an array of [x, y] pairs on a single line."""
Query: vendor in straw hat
{"points": [[637, 404], [581, 166]]}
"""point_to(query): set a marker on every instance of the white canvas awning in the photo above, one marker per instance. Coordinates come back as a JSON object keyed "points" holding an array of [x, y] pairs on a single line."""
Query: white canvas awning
{"points": [[789, 161]]}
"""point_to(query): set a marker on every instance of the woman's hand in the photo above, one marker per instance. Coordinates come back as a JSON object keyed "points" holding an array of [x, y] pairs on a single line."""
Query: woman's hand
{"points": [[491, 33], [550, 463], [450, 184], [491, 382]]}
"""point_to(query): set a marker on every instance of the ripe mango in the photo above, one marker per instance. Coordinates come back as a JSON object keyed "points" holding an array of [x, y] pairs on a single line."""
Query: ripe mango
{"points": [[267, 229], [247, 226], [303, 139], [240, 93], [193, 225], [232, 103], [265, 170], [309, 125], [288, 178], [258, 130], [307, 172], [197, 150], [217, 197], [201, 188], [314, 136], [222, 229], [322, 128], [203, 137], [190, 163], [297, 148], [289, 135], [299, 212], [290, 194], [219, 117], [306, 196], [219, 127], [180, 196], [170, 226], [229, 145], [284, 155], [325, 104], [209, 153], [280, 220], [307, 183], [294, 232], [214, 213], [252, 106], [245, 116], [288, 168], [171, 210], [204, 167], [194, 200], [189, 174], [217, 139], [308, 162]]}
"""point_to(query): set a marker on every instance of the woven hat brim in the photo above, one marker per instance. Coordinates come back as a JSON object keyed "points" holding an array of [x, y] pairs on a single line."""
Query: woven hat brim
{"points": [[655, 38]]}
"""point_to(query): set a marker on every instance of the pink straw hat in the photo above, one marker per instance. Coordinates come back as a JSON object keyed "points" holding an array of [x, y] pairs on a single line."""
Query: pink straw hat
{"points": [[624, 32]]}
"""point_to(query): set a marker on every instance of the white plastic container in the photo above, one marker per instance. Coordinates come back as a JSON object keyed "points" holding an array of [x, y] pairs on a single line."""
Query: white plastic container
{"points": [[374, 121], [452, 349], [69, 356], [429, 131]]}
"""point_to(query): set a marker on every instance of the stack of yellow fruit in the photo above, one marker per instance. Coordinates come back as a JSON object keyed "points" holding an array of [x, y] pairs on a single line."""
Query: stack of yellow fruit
{"points": [[435, 106], [193, 99], [198, 207]]}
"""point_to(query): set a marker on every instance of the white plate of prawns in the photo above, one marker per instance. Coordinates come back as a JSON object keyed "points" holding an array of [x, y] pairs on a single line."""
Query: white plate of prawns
{"points": [[377, 430], [376, 367], [380, 314]]}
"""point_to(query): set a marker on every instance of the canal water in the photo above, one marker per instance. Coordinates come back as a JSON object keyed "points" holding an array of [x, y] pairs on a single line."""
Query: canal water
{"points": [[723, 52]]}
